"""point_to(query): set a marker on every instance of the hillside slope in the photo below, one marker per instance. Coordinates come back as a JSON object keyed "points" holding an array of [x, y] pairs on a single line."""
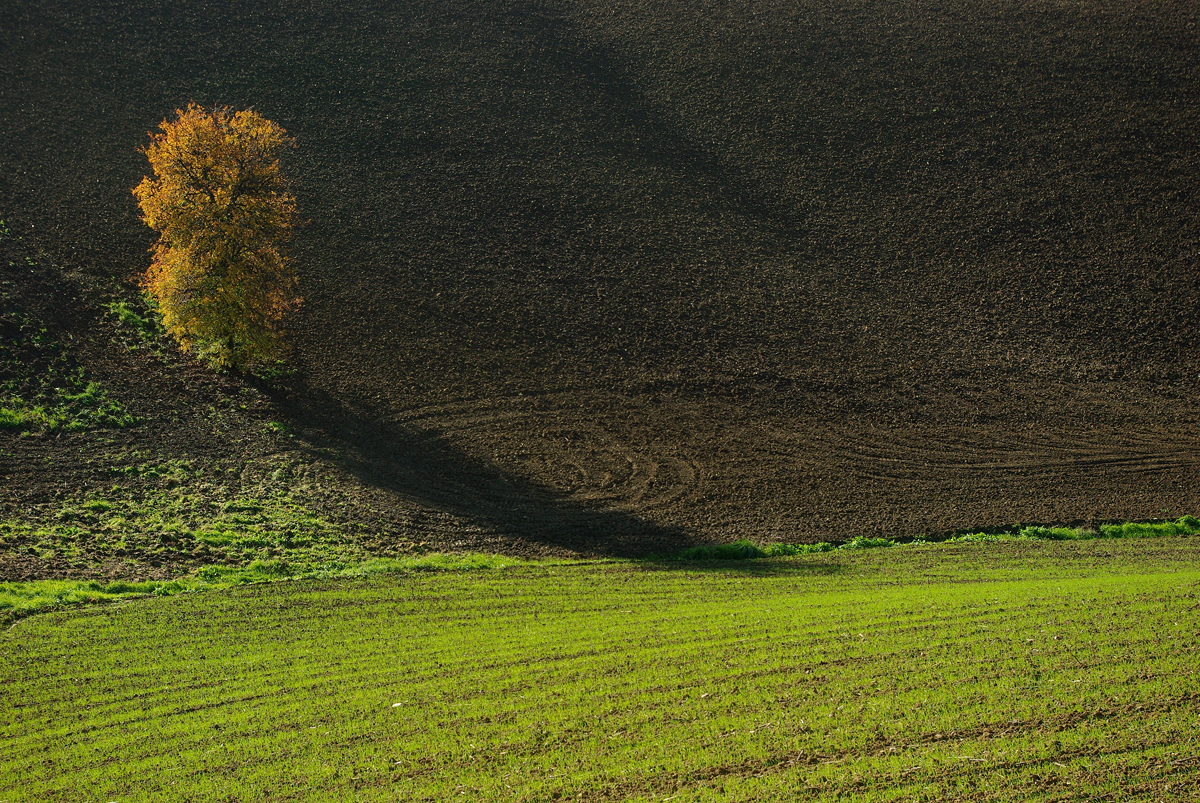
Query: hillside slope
{"points": [[611, 277]]}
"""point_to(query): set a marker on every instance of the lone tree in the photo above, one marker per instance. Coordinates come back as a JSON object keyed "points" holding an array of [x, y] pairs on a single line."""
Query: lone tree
{"points": [[222, 212]]}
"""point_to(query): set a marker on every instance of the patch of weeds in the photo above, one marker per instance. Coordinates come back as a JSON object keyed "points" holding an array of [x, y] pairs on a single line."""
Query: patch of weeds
{"points": [[783, 550], [91, 408], [748, 550], [1187, 525], [217, 574], [270, 569], [21, 599], [138, 325], [862, 542], [189, 518], [983, 538], [146, 326], [277, 371], [12, 418], [123, 587], [256, 572], [75, 405], [214, 537], [738, 550], [1056, 533]]}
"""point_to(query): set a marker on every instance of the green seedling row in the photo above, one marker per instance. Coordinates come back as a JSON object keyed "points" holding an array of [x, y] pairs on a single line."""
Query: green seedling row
{"points": [[1021, 670]]}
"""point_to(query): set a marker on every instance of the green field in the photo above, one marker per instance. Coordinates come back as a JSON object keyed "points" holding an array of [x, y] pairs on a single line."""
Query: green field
{"points": [[1005, 671]]}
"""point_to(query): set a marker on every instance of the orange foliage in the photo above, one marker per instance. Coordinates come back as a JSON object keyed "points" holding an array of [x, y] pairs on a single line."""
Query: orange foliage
{"points": [[222, 212]]}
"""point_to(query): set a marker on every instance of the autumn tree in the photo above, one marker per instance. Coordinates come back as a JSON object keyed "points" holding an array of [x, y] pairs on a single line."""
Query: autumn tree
{"points": [[223, 213]]}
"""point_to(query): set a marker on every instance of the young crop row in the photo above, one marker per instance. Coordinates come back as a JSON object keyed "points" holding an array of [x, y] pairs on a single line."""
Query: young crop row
{"points": [[1018, 671]]}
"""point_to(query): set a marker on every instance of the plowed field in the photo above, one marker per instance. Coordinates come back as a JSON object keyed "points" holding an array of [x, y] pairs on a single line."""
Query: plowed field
{"points": [[607, 277]]}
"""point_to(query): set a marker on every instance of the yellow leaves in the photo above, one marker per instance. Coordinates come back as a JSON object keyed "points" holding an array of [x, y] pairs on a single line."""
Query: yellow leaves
{"points": [[222, 211]]}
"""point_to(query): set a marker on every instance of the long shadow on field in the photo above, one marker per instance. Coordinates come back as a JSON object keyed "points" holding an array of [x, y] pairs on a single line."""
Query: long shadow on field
{"points": [[517, 80], [628, 122], [422, 467]]}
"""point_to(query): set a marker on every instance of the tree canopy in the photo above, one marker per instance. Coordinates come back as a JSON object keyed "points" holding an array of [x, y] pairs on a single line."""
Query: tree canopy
{"points": [[223, 212]]}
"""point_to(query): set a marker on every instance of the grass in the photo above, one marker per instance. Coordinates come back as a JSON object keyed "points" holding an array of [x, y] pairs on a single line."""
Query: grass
{"points": [[85, 406], [43, 389], [748, 550], [146, 325], [187, 513], [1024, 670], [215, 541], [42, 386], [21, 599], [1185, 525]]}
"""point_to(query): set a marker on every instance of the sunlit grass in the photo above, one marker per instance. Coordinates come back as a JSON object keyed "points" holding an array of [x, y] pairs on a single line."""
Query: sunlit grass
{"points": [[186, 513], [258, 540], [20, 599]]}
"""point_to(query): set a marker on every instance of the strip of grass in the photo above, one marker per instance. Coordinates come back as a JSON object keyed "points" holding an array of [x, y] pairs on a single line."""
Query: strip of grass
{"points": [[330, 554], [21, 599], [748, 550], [1025, 670]]}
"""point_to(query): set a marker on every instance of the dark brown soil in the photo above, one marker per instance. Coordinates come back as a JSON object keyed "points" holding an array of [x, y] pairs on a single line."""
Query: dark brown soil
{"points": [[611, 277]]}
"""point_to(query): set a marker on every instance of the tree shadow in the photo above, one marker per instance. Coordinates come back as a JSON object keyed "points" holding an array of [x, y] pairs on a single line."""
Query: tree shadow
{"points": [[421, 467], [424, 468], [552, 92], [634, 123]]}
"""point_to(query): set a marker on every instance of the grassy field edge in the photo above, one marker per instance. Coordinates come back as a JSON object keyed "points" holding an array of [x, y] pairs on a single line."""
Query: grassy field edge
{"points": [[19, 600]]}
